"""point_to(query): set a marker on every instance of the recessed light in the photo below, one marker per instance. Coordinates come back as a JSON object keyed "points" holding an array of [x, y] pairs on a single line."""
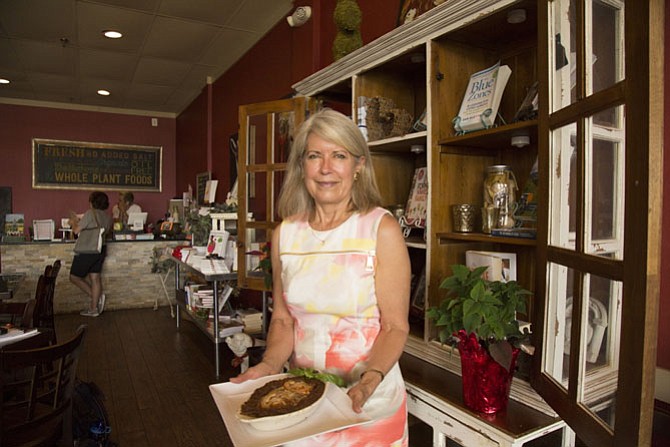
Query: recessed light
{"points": [[103, 92], [112, 34], [4, 81]]}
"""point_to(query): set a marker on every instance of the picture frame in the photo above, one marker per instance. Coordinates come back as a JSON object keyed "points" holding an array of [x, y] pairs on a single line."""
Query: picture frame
{"points": [[200, 185], [166, 227], [418, 302], [79, 165]]}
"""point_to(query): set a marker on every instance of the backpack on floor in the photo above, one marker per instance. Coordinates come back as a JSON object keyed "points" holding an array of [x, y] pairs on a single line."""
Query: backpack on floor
{"points": [[90, 422]]}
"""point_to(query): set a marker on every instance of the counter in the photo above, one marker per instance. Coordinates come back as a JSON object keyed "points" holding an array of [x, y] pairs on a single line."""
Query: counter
{"points": [[126, 276]]}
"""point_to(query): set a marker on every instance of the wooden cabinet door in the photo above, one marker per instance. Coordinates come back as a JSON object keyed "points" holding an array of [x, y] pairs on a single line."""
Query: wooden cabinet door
{"points": [[266, 131], [600, 130]]}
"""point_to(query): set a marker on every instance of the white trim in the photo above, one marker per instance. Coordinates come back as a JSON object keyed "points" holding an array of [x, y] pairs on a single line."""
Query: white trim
{"points": [[68, 106]]}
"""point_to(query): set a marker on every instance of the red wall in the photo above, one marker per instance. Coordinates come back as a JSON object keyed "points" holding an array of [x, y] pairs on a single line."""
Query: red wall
{"points": [[20, 124]]}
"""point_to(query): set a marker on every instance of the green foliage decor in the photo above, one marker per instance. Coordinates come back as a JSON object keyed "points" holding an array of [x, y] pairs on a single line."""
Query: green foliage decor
{"points": [[481, 307]]}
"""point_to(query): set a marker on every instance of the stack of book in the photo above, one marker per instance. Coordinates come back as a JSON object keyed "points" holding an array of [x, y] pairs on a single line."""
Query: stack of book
{"points": [[252, 319], [227, 325]]}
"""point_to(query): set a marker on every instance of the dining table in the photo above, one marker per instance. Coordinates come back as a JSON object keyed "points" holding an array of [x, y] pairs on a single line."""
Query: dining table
{"points": [[10, 284]]}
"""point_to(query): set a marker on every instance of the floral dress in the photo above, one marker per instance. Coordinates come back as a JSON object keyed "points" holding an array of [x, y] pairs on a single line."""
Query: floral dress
{"points": [[328, 280]]}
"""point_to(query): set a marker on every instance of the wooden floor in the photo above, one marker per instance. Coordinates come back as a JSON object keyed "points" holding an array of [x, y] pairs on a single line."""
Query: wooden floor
{"points": [[155, 379]]}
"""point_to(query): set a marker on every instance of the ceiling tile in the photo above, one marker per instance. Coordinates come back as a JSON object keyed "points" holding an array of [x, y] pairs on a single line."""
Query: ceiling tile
{"points": [[151, 94], [247, 17], [51, 83], [178, 39], [106, 64], [46, 57], [142, 5], [160, 72], [208, 11], [228, 46]]}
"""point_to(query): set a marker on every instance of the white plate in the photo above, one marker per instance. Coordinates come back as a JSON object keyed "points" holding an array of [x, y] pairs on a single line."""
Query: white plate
{"points": [[333, 413], [283, 420]]}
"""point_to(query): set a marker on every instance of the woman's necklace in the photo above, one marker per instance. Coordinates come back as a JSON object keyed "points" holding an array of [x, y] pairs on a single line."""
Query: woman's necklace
{"points": [[323, 240]]}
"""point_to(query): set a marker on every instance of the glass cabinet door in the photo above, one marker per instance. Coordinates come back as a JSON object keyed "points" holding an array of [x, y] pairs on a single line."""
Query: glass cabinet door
{"points": [[266, 131], [594, 271]]}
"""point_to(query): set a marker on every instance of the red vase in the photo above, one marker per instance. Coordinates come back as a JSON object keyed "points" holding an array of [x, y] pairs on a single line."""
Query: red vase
{"points": [[486, 383]]}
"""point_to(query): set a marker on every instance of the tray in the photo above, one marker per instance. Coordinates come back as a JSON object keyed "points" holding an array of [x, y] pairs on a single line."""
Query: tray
{"points": [[334, 413]]}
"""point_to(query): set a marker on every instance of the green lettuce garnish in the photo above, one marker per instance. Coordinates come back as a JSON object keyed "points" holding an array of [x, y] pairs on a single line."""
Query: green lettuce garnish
{"points": [[314, 374]]}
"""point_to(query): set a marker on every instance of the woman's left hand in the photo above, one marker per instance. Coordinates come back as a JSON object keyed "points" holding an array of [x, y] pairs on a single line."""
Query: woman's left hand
{"points": [[361, 392]]}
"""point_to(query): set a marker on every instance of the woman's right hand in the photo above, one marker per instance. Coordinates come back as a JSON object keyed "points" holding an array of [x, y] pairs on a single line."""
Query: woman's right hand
{"points": [[255, 372]]}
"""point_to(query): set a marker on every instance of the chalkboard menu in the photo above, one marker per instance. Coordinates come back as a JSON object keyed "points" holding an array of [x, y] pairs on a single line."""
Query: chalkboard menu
{"points": [[76, 165]]}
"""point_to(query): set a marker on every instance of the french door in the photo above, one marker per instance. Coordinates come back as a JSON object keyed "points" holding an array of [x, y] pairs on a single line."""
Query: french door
{"points": [[599, 255]]}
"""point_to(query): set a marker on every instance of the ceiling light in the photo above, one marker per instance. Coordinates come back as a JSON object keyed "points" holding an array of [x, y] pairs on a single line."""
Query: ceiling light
{"points": [[516, 16], [4, 81], [112, 34], [103, 92]]}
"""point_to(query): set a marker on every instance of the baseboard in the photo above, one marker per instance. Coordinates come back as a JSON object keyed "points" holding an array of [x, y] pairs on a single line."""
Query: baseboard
{"points": [[662, 391]]}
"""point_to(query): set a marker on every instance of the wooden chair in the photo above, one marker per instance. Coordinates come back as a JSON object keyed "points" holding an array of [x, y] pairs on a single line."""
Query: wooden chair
{"points": [[36, 388], [19, 314], [43, 316]]}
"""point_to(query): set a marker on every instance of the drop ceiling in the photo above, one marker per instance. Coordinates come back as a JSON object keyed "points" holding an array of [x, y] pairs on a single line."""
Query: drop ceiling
{"points": [[53, 51]]}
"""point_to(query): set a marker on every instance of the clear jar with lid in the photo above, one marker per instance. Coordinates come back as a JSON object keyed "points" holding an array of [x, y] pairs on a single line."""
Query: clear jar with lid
{"points": [[500, 187]]}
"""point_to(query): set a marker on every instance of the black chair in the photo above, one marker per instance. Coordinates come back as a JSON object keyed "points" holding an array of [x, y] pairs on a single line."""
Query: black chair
{"points": [[43, 317], [36, 388]]}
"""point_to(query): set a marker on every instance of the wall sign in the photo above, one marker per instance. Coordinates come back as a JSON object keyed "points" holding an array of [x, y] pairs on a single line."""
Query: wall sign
{"points": [[61, 164]]}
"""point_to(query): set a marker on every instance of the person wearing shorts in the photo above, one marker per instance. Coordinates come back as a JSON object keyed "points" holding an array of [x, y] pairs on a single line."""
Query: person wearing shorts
{"points": [[86, 269]]}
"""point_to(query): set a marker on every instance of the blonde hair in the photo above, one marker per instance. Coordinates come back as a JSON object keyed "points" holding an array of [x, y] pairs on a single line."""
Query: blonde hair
{"points": [[336, 128]]}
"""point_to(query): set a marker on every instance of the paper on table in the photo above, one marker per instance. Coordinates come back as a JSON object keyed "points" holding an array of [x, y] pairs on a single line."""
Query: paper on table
{"points": [[334, 413], [15, 335]]}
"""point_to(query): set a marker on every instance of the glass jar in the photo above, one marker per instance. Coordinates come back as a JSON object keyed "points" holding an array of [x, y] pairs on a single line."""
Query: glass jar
{"points": [[500, 187]]}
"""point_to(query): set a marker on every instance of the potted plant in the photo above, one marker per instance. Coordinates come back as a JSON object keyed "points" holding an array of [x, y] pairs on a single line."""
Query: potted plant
{"points": [[479, 316]]}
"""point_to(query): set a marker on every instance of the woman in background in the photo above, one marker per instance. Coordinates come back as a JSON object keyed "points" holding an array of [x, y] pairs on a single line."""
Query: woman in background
{"points": [[341, 280], [86, 269]]}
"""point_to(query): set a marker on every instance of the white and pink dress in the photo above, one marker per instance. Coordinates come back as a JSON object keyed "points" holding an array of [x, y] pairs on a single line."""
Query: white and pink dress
{"points": [[328, 279]]}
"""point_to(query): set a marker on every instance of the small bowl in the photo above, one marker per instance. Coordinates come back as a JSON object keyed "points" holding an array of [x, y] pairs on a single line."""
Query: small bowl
{"points": [[281, 421]]}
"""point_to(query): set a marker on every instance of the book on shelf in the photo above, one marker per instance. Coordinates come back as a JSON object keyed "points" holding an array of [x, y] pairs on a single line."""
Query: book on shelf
{"points": [[417, 203], [501, 266], [525, 233], [525, 215], [227, 326], [482, 99]]}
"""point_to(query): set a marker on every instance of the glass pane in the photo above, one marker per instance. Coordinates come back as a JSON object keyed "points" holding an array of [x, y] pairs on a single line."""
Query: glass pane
{"points": [[256, 196], [284, 124], [563, 185], [257, 139], [607, 52], [605, 185], [556, 351], [600, 341], [564, 60]]}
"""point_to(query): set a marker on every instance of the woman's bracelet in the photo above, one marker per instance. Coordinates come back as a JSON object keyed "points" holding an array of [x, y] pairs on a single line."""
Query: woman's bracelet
{"points": [[381, 374]]}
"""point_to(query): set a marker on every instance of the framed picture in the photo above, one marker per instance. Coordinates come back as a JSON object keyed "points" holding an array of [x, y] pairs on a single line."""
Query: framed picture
{"points": [[419, 293], [200, 185], [166, 227], [61, 164]]}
